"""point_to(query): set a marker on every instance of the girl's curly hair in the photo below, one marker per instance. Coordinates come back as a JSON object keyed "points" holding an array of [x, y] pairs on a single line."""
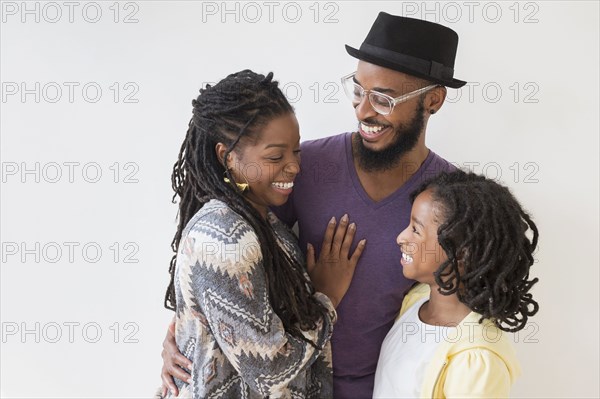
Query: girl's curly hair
{"points": [[484, 232]]}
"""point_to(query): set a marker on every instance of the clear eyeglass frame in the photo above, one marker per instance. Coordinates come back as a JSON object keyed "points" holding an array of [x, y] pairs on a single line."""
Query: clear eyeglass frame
{"points": [[381, 103]]}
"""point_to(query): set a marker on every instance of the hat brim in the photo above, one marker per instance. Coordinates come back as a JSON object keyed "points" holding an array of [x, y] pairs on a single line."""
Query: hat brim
{"points": [[361, 55]]}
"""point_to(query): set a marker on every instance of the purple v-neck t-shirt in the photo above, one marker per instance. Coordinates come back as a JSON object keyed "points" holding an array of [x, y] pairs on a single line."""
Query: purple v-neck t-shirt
{"points": [[327, 186]]}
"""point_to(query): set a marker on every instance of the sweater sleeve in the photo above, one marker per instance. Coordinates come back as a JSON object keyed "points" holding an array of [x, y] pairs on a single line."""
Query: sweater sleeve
{"points": [[477, 373], [227, 283]]}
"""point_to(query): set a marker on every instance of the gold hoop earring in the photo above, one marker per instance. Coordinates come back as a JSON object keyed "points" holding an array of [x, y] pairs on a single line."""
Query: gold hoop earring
{"points": [[242, 187]]}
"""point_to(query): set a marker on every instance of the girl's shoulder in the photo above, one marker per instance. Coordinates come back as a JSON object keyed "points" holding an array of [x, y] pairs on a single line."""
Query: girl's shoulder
{"points": [[481, 373]]}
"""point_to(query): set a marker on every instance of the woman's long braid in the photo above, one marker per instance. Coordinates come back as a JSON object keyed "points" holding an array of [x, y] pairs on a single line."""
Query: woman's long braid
{"points": [[483, 231], [232, 109]]}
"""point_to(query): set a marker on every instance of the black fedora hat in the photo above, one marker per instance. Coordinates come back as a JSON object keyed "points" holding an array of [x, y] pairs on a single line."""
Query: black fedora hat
{"points": [[420, 48]]}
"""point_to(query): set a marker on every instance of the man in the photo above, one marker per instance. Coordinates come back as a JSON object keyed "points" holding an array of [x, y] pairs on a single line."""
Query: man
{"points": [[404, 68]]}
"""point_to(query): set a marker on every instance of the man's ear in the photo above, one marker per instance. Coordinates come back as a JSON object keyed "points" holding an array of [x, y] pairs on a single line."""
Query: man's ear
{"points": [[435, 99]]}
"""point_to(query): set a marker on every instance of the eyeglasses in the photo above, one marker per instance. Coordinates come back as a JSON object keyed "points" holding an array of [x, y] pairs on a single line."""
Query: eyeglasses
{"points": [[381, 103]]}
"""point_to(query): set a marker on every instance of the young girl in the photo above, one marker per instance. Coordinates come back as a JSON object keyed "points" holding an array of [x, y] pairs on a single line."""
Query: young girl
{"points": [[247, 316], [468, 246]]}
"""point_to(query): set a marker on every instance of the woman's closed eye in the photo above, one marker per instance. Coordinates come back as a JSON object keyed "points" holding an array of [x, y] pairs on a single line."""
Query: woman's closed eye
{"points": [[277, 158]]}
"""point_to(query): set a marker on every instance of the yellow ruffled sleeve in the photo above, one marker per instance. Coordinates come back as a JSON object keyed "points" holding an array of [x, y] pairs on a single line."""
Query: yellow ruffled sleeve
{"points": [[477, 373]]}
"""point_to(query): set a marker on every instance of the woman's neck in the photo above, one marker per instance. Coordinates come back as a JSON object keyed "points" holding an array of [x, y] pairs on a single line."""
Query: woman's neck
{"points": [[262, 209], [443, 310]]}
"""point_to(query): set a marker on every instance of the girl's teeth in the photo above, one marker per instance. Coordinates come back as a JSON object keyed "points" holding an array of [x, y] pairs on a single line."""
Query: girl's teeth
{"points": [[283, 186], [407, 258]]}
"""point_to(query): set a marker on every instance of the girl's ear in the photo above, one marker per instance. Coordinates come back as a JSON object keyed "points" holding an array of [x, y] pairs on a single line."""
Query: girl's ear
{"points": [[461, 257]]}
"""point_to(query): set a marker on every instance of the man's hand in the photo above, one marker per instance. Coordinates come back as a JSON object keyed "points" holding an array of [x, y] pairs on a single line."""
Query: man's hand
{"points": [[332, 272], [173, 361]]}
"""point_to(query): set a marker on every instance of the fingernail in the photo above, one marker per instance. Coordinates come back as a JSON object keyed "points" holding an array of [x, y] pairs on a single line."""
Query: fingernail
{"points": [[345, 218], [363, 241], [332, 220], [352, 226], [189, 380], [308, 247]]}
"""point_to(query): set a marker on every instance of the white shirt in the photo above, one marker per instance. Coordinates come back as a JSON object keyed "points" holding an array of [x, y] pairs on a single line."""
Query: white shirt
{"points": [[405, 354]]}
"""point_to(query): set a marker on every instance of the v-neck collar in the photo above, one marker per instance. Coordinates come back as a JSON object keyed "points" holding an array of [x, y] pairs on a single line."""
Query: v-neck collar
{"points": [[393, 196]]}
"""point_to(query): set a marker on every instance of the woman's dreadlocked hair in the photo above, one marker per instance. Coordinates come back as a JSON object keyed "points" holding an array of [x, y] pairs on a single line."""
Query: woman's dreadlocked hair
{"points": [[483, 231], [236, 107]]}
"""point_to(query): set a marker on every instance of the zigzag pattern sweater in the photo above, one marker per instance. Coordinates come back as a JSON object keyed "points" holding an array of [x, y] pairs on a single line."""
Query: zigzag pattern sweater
{"points": [[225, 323]]}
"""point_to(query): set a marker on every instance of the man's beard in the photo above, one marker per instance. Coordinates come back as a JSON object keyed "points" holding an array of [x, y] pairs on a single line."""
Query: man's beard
{"points": [[406, 138]]}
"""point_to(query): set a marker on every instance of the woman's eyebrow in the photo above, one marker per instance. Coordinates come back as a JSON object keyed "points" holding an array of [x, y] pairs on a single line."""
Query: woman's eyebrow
{"points": [[276, 145]]}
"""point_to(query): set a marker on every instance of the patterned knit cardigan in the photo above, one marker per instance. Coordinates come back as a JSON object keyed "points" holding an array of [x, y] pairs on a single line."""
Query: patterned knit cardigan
{"points": [[225, 324]]}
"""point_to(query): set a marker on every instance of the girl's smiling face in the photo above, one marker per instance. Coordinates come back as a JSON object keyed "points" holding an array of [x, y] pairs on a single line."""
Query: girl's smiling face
{"points": [[421, 252]]}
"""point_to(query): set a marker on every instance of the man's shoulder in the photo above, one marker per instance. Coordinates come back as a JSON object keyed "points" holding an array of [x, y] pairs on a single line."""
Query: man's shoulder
{"points": [[327, 144], [440, 164]]}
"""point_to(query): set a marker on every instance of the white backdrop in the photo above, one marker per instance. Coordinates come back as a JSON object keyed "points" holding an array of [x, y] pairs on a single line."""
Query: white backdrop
{"points": [[96, 97]]}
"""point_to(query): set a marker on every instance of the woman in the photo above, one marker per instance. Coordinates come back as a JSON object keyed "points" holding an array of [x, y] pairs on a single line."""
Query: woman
{"points": [[247, 315]]}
